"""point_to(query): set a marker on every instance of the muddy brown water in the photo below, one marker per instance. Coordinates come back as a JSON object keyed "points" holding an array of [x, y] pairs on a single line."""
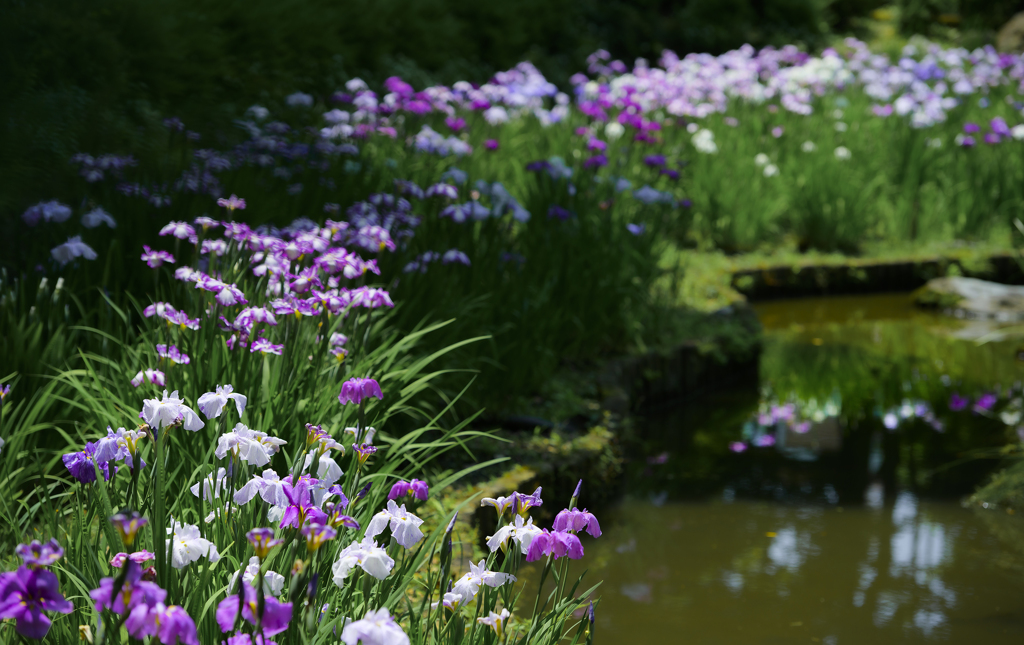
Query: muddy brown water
{"points": [[848, 524]]}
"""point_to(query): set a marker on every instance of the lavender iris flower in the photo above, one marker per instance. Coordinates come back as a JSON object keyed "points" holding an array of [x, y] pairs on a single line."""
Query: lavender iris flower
{"points": [[51, 211], [636, 229], [655, 161], [405, 527], [98, 216], [25, 594], [134, 591], [232, 203], [276, 614], [455, 255], [375, 628], [40, 554], [155, 259], [576, 520], [212, 403], [169, 625], [556, 544], [416, 488], [356, 389], [73, 248]]}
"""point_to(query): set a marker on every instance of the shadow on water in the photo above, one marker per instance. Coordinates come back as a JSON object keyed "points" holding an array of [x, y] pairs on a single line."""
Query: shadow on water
{"points": [[821, 505]]}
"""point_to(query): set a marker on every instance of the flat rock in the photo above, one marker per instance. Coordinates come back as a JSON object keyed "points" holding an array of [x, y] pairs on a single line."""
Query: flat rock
{"points": [[973, 298]]}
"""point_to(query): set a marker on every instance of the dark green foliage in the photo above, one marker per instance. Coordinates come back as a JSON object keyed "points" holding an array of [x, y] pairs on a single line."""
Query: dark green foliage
{"points": [[90, 76]]}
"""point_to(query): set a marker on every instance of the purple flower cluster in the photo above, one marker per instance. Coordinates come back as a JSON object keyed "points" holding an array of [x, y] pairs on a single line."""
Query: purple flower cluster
{"points": [[33, 589], [142, 603]]}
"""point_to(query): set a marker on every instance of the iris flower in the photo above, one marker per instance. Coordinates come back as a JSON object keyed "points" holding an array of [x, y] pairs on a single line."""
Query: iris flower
{"points": [[375, 628], [273, 582], [155, 377], [186, 545], [275, 618], [169, 625], [72, 249], [497, 622], [37, 554], [25, 594], [405, 527], [521, 532], [373, 559], [168, 411], [355, 390], [556, 544], [212, 403], [576, 520], [469, 584], [416, 488], [155, 259]]}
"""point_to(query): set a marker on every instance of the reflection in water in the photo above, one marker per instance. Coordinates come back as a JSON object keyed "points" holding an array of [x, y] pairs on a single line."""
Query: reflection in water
{"points": [[753, 572], [820, 528]]}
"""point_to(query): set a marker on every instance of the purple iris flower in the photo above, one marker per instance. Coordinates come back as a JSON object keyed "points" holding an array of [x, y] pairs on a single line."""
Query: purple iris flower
{"points": [[559, 212], [737, 446], [538, 166], [454, 255], [957, 402], [686, 203], [81, 465], [991, 138], [967, 142], [556, 544], [232, 203], [364, 451], [155, 258], [25, 594], [596, 145], [276, 614], [262, 541], [456, 124], [597, 161], [655, 161], [5, 390], [971, 128], [138, 557], [316, 534], [170, 625], [39, 554], [300, 507], [134, 591], [671, 174], [576, 520], [264, 346], [356, 389], [128, 526], [416, 488], [1000, 127], [636, 229], [985, 402], [491, 144]]}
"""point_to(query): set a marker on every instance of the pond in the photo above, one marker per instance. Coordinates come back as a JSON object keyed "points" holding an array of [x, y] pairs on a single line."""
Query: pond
{"points": [[823, 503]]}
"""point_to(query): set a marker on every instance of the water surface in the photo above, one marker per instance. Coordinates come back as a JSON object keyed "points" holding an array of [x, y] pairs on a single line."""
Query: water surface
{"points": [[822, 504]]}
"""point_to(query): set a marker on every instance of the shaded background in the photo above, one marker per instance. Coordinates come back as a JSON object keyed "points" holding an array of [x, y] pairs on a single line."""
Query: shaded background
{"points": [[97, 76]]}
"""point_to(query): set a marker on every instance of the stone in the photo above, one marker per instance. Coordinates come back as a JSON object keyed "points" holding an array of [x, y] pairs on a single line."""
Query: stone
{"points": [[973, 298], [1011, 36]]}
